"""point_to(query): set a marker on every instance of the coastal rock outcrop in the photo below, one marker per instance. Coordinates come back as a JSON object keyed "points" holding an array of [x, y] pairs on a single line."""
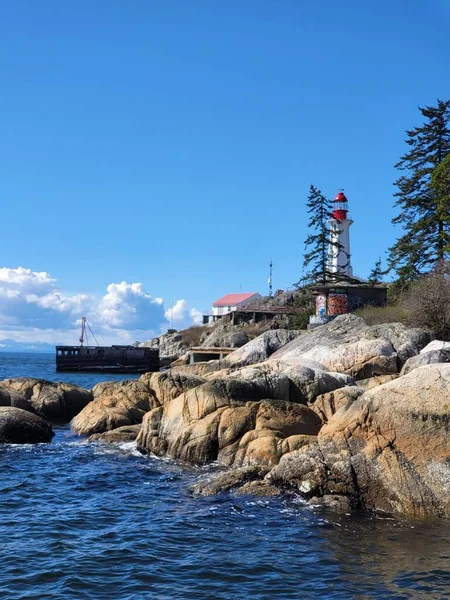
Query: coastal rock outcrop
{"points": [[224, 336], [127, 433], [210, 485], [19, 426], [388, 450], [261, 348], [10, 397], [348, 345], [171, 347], [58, 402], [167, 385], [436, 345], [115, 404], [222, 419], [250, 415], [326, 405], [436, 351]]}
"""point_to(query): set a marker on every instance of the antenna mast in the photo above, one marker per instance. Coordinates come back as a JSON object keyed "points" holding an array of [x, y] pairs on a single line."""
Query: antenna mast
{"points": [[83, 330], [269, 281]]}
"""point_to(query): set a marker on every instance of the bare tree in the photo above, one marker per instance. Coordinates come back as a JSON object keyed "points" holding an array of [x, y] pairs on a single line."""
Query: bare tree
{"points": [[427, 302]]}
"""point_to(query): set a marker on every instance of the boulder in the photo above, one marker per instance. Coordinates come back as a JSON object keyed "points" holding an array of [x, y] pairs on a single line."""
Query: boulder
{"points": [[307, 379], [326, 405], [371, 382], [206, 423], [127, 433], [167, 385], [257, 488], [225, 415], [115, 404], [407, 341], [341, 346], [426, 358], [171, 347], [389, 450], [9, 397], [347, 345], [260, 348], [226, 481], [436, 345], [19, 426], [224, 336], [58, 402]]}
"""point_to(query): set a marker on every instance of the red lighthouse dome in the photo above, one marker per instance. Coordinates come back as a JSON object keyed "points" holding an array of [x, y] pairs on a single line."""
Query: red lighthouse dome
{"points": [[340, 207]]}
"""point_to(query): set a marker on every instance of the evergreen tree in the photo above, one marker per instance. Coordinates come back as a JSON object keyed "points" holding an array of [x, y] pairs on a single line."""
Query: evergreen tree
{"points": [[440, 187], [319, 240], [424, 212], [376, 273]]}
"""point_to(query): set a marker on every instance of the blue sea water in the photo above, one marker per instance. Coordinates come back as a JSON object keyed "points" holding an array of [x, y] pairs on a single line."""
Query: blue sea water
{"points": [[89, 521]]}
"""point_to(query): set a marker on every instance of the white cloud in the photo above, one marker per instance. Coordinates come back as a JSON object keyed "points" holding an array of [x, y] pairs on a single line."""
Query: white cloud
{"points": [[128, 305], [25, 278], [32, 308], [177, 312], [196, 316]]}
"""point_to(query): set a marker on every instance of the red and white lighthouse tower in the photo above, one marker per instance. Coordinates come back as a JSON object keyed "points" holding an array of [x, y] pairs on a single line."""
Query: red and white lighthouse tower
{"points": [[339, 250]]}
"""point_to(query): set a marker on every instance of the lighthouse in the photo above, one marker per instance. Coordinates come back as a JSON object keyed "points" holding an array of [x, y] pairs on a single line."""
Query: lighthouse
{"points": [[339, 248]]}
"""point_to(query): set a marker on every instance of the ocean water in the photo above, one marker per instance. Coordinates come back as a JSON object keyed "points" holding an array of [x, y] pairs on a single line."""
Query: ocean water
{"points": [[88, 521]]}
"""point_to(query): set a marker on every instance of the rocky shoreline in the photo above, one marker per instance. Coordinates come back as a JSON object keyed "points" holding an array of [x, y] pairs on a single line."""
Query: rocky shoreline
{"points": [[347, 415]]}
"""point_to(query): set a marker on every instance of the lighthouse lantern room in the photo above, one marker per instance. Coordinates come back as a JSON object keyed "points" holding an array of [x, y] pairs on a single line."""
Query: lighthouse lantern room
{"points": [[339, 249]]}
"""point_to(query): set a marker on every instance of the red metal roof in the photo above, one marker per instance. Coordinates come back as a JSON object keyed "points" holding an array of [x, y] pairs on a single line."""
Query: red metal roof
{"points": [[341, 197], [233, 299]]}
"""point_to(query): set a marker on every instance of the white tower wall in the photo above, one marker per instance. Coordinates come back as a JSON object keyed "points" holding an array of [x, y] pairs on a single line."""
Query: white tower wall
{"points": [[339, 259]]}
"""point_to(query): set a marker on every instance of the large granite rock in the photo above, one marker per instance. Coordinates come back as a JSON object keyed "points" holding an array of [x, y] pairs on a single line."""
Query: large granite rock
{"points": [[58, 402], [216, 483], [126, 433], [326, 405], [388, 450], [9, 397], [223, 336], [167, 385], [242, 416], [436, 345], [261, 348], [426, 358], [348, 345], [171, 347], [407, 341], [210, 422], [19, 426], [115, 404], [307, 379]]}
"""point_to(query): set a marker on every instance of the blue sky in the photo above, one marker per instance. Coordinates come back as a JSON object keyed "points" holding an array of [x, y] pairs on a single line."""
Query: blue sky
{"points": [[172, 144]]}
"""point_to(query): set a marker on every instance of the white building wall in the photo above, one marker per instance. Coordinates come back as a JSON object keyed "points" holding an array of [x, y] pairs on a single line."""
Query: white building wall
{"points": [[339, 260], [224, 310]]}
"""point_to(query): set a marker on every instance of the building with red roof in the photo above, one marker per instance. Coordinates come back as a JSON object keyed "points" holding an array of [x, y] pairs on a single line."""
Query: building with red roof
{"points": [[230, 303]]}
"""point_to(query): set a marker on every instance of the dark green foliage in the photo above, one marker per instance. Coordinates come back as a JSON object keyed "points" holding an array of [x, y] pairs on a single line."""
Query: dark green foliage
{"points": [[300, 320], [306, 301], [318, 240], [376, 274], [422, 196]]}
